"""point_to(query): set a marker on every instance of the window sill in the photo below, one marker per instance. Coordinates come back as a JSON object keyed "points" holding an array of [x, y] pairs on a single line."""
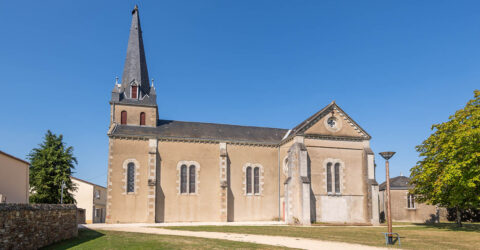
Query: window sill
{"points": [[188, 194], [413, 208], [334, 194]]}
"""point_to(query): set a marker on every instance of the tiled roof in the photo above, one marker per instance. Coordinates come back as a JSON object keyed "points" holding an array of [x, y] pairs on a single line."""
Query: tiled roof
{"points": [[203, 131], [399, 183]]}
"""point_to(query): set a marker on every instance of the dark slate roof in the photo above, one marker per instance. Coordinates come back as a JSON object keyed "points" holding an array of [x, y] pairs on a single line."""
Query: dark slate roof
{"points": [[135, 68], [399, 183], [203, 131]]}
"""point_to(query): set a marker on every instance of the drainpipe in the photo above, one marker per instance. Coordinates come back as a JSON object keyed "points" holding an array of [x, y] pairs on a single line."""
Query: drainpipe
{"points": [[279, 205]]}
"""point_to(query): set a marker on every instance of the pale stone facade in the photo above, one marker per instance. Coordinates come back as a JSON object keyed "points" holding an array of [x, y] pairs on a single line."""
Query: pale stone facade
{"points": [[92, 198], [14, 179], [171, 171]]}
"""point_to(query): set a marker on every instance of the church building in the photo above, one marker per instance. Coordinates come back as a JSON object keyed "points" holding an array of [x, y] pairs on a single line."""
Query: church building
{"points": [[160, 170]]}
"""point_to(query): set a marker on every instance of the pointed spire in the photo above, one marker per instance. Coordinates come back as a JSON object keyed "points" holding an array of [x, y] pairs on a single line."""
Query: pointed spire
{"points": [[135, 69]]}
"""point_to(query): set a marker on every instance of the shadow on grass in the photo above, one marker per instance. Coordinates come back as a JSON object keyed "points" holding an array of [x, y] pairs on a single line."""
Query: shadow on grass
{"points": [[467, 227], [84, 235]]}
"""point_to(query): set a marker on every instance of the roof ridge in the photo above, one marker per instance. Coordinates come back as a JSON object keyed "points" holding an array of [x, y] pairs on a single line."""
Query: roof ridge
{"points": [[225, 124]]}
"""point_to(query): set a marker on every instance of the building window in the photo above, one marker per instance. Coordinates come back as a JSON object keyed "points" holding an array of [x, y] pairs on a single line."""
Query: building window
{"points": [[410, 201], [142, 118], [134, 92], [249, 180], [253, 179], [337, 178], [256, 180], [97, 194], [188, 177], [329, 177], [183, 179], [123, 117], [130, 177], [333, 176], [191, 179]]}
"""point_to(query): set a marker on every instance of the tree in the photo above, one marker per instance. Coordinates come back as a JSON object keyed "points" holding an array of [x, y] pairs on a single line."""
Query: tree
{"points": [[448, 174], [51, 164]]}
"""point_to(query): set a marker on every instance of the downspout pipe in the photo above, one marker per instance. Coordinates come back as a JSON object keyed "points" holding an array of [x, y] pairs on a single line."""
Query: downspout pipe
{"points": [[279, 204]]}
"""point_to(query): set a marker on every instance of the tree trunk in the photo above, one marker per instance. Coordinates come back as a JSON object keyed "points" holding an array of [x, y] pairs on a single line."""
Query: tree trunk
{"points": [[459, 217]]}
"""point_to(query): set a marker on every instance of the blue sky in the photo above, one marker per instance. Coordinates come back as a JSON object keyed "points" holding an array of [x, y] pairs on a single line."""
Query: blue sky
{"points": [[396, 67]]}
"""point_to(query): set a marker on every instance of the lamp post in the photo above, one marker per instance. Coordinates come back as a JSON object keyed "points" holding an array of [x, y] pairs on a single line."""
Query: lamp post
{"points": [[61, 194], [387, 156]]}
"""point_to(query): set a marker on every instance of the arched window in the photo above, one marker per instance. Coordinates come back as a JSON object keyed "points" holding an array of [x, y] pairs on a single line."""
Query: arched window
{"points": [[329, 177], [183, 179], [123, 117], [337, 177], [249, 180], [130, 177], [142, 118], [134, 92], [191, 180], [256, 180]]}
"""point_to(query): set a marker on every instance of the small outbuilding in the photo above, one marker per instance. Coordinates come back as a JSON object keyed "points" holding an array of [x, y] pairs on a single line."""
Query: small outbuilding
{"points": [[404, 206]]}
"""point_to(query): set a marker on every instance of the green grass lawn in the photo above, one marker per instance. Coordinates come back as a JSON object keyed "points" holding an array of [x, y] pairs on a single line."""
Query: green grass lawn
{"points": [[439, 236], [89, 239]]}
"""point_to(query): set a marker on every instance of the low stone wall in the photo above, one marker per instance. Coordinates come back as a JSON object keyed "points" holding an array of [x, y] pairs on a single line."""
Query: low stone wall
{"points": [[24, 226]]}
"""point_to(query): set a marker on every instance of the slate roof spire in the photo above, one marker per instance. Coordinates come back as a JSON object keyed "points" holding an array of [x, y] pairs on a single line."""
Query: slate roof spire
{"points": [[135, 68]]}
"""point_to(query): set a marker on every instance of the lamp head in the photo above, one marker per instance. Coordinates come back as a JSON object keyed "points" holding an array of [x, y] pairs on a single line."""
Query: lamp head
{"points": [[387, 155]]}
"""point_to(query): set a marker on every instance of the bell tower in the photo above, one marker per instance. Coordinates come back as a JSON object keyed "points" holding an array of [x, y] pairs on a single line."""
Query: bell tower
{"points": [[134, 100]]}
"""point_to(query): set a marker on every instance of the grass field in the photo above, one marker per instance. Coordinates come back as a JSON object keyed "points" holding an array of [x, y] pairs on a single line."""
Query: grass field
{"points": [[89, 239], [439, 236]]}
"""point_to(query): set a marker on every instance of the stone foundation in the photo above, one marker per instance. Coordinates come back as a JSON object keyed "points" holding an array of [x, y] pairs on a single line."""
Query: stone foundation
{"points": [[24, 226]]}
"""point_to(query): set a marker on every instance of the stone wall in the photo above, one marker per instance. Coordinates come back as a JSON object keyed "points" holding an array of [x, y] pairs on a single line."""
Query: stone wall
{"points": [[24, 226]]}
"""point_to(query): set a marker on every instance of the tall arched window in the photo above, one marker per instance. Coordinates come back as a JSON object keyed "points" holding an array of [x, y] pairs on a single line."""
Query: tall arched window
{"points": [[337, 177], [130, 177], [256, 180], [123, 117], [134, 92], [191, 179], [249, 180], [142, 118], [183, 179], [329, 177]]}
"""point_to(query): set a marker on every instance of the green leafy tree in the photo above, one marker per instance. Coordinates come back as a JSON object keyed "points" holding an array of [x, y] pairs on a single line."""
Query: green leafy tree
{"points": [[51, 164], [449, 173]]}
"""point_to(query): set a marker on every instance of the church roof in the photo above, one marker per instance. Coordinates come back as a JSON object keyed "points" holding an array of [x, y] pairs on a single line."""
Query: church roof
{"points": [[204, 131], [135, 68], [398, 183], [135, 72]]}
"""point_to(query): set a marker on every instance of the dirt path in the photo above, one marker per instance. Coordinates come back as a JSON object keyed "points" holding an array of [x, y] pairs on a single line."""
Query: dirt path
{"points": [[291, 242]]}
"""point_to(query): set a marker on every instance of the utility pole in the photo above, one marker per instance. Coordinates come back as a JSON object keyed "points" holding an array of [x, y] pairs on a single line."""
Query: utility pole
{"points": [[61, 195], [387, 156]]}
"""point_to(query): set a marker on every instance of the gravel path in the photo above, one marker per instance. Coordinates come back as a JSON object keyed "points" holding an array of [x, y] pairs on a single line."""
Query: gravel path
{"points": [[291, 242]]}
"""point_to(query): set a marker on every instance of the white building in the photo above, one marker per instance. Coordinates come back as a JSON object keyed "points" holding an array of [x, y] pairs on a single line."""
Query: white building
{"points": [[92, 198]]}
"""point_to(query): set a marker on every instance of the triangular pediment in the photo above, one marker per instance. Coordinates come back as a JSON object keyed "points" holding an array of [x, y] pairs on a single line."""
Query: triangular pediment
{"points": [[331, 121]]}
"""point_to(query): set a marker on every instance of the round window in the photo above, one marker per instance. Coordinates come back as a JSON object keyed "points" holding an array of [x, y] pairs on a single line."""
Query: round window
{"points": [[332, 122]]}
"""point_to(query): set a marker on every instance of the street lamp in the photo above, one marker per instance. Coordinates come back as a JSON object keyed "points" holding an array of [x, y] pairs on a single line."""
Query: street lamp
{"points": [[61, 195], [387, 156]]}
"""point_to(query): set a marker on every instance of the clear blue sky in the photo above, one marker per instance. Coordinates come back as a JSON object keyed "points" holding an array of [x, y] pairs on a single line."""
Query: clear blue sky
{"points": [[396, 67]]}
